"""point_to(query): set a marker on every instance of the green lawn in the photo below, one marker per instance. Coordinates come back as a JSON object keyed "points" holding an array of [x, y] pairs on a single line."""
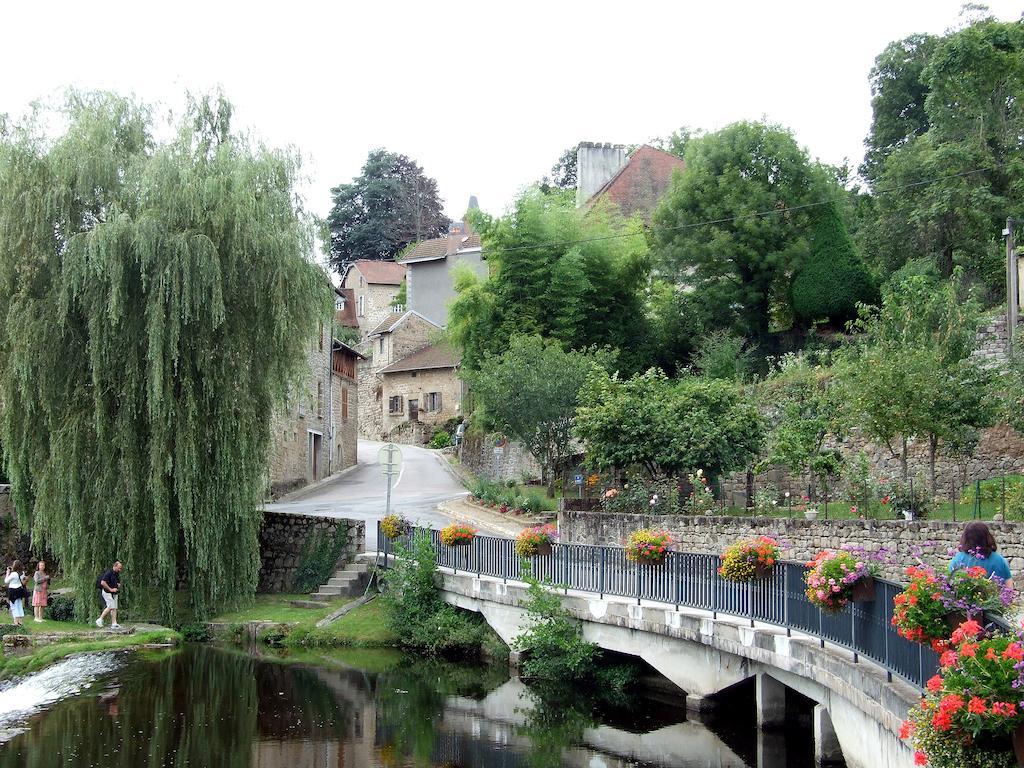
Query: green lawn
{"points": [[45, 655], [362, 627], [841, 510], [277, 608]]}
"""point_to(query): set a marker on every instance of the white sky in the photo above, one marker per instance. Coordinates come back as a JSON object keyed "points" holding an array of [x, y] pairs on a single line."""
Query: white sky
{"points": [[483, 95]]}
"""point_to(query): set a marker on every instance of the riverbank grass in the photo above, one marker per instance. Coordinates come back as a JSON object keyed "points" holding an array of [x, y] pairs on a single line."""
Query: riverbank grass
{"points": [[279, 610], [42, 656], [362, 627]]}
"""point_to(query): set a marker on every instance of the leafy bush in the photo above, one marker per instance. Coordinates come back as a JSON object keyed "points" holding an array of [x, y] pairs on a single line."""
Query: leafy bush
{"points": [[275, 635], [833, 279], [60, 608], [640, 495], [914, 499], [319, 556], [992, 490], [12, 629], [440, 439], [195, 633]]}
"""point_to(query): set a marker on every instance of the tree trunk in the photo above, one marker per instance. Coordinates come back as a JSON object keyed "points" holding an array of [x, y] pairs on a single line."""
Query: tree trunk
{"points": [[903, 460], [933, 445]]}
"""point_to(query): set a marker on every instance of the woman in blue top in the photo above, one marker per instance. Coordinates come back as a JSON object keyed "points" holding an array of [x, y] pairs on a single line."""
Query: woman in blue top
{"points": [[978, 548]]}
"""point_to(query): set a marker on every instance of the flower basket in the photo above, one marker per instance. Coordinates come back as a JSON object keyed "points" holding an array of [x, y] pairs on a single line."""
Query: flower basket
{"points": [[648, 546], [954, 619], [536, 541], [749, 559], [394, 527], [837, 577], [457, 535]]}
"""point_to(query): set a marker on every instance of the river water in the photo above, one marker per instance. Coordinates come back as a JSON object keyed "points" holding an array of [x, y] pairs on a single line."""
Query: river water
{"points": [[217, 708]]}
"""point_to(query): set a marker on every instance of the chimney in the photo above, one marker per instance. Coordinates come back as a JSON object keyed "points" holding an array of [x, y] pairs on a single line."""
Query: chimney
{"points": [[595, 164]]}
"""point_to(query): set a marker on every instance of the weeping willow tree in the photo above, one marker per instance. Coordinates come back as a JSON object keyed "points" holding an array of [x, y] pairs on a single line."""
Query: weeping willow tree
{"points": [[156, 303]]}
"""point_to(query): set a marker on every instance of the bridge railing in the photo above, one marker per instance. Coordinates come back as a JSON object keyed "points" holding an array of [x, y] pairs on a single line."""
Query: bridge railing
{"points": [[691, 580]]}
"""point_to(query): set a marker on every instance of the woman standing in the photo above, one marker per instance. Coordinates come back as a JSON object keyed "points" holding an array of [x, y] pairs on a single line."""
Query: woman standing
{"points": [[16, 592], [978, 548], [40, 585]]}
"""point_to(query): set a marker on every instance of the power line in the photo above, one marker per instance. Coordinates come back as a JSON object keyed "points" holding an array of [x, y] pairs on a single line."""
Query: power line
{"points": [[740, 217]]}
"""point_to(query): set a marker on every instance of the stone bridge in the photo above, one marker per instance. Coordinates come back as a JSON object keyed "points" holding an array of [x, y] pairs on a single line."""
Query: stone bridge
{"points": [[859, 705]]}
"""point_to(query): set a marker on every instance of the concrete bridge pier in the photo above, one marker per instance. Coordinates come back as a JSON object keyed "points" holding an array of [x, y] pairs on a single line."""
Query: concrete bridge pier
{"points": [[771, 749], [770, 701], [826, 743]]}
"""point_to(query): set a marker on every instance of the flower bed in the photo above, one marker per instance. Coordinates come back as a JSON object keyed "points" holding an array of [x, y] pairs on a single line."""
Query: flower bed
{"points": [[647, 546], [833, 579], [973, 707], [457, 535], [393, 526], [749, 559], [923, 611], [536, 541]]}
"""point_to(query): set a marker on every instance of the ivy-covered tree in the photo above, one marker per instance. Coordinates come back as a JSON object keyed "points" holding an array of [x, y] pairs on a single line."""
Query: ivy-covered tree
{"points": [[667, 428], [735, 225], [529, 392], [156, 303], [833, 280], [391, 204]]}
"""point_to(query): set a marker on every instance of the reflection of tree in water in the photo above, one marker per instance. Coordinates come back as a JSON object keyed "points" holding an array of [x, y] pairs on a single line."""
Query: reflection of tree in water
{"points": [[198, 707]]}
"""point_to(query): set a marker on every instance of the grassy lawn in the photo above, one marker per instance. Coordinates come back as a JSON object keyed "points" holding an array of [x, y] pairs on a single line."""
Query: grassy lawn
{"points": [[363, 627], [277, 608], [49, 627], [45, 655]]}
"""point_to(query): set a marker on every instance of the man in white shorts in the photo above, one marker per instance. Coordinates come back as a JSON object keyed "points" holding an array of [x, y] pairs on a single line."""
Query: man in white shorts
{"points": [[110, 584]]}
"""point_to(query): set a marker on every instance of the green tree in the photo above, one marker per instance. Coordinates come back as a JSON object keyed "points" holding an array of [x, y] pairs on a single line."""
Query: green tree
{"points": [[832, 280], [666, 428], [563, 173], [391, 204], [402, 297], [529, 392], [909, 373], [157, 303], [741, 264], [555, 271]]}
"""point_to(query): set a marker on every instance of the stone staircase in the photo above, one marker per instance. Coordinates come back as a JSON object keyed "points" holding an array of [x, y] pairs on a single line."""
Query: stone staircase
{"points": [[349, 581]]}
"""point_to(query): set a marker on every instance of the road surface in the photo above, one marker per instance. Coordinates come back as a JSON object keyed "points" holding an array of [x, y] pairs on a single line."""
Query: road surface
{"points": [[424, 482]]}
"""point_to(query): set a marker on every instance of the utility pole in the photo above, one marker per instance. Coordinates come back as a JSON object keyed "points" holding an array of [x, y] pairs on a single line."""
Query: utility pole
{"points": [[390, 459], [1012, 285]]}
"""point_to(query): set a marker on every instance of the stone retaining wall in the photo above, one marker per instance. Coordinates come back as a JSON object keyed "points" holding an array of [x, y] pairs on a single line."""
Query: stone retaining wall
{"points": [[801, 539], [284, 538]]}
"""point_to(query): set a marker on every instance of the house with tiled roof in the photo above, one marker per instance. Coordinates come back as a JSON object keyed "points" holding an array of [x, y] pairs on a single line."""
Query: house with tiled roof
{"points": [[374, 286], [430, 265], [422, 390], [634, 183]]}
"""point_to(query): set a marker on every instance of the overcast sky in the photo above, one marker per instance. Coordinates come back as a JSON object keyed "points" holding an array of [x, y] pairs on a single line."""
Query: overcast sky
{"points": [[484, 95]]}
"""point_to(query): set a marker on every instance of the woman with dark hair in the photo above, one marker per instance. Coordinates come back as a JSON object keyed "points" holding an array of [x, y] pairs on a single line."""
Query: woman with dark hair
{"points": [[16, 592], [978, 548]]}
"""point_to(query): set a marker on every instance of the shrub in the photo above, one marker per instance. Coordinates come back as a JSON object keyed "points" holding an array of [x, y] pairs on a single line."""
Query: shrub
{"points": [[833, 279], [275, 635], [647, 546], [530, 540], [60, 608], [991, 490], [640, 495], [831, 577], [440, 439], [12, 629], [456, 535], [766, 500], [195, 633], [913, 498], [742, 560]]}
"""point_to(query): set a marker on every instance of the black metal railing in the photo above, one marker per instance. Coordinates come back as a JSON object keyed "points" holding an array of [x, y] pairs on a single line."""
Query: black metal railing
{"points": [[691, 580]]}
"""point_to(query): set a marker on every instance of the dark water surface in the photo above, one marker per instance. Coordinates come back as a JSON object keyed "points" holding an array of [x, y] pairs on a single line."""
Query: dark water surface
{"points": [[203, 706]]}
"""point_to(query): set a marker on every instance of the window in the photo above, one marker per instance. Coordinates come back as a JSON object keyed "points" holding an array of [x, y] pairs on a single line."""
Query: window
{"points": [[361, 307], [344, 403], [395, 404], [432, 401], [381, 345], [320, 399]]}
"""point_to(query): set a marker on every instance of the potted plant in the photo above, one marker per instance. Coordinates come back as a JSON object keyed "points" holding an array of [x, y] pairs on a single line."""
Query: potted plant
{"points": [[536, 541], [971, 713], [835, 578], [811, 513], [970, 591], [393, 526], [457, 535], [749, 559], [648, 546]]}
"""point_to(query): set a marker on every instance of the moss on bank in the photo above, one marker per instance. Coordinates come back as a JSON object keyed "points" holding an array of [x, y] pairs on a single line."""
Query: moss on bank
{"points": [[42, 656]]}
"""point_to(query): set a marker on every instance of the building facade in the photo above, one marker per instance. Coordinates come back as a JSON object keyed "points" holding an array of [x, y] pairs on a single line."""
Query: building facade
{"points": [[374, 285], [422, 389]]}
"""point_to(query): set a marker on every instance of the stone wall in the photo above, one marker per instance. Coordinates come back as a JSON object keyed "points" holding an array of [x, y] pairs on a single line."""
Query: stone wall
{"points": [[992, 342], [800, 538], [371, 414], [415, 385], [345, 418], [515, 463], [284, 538]]}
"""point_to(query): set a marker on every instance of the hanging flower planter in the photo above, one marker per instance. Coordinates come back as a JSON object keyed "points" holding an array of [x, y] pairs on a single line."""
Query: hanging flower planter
{"points": [[394, 527], [864, 590], [837, 577], [648, 546], [536, 541], [749, 559], [457, 535]]}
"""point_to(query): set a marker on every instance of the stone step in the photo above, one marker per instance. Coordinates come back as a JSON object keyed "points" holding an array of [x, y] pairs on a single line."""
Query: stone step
{"points": [[305, 604], [345, 581], [353, 568], [328, 591]]}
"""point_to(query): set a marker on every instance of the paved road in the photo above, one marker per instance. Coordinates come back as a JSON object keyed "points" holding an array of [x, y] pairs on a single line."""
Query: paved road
{"points": [[425, 481]]}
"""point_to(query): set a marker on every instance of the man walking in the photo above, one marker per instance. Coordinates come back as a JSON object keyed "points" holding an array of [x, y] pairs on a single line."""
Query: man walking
{"points": [[110, 584]]}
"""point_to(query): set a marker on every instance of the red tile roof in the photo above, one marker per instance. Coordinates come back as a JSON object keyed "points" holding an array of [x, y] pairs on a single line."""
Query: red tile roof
{"points": [[639, 184], [434, 356], [439, 247], [380, 272], [346, 316]]}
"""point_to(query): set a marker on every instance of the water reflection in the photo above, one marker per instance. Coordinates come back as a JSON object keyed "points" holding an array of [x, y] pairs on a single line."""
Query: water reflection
{"points": [[224, 709]]}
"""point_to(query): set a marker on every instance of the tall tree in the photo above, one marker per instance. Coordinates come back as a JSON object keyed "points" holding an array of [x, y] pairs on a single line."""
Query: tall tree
{"points": [[710, 232], [157, 302], [563, 172], [391, 204]]}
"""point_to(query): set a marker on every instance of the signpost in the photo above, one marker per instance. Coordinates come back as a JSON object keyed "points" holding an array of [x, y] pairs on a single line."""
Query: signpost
{"points": [[579, 485], [390, 458]]}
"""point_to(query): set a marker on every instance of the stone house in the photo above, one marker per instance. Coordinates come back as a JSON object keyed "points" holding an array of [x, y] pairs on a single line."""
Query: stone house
{"points": [[374, 285], [316, 433], [422, 389], [635, 183], [431, 265]]}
